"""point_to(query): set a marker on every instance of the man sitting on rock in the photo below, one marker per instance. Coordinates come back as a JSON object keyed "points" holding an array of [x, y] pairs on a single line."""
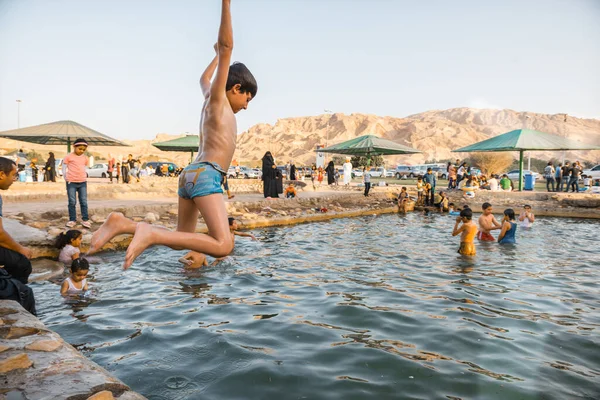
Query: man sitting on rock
{"points": [[15, 266]]}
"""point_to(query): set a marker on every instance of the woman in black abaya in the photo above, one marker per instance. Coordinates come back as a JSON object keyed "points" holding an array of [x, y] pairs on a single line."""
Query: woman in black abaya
{"points": [[330, 173], [50, 169], [269, 175]]}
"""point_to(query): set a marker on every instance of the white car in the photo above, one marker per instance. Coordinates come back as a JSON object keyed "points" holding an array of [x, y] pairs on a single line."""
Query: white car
{"points": [[376, 172], [593, 172], [255, 173], [514, 174], [357, 172], [97, 171]]}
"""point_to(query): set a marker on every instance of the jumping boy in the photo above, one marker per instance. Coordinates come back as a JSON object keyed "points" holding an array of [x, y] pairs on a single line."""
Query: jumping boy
{"points": [[200, 182], [467, 231], [487, 223]]}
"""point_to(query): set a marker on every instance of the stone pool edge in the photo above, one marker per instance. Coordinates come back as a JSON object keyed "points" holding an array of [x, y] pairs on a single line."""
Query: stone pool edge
{"points": [[35, 362]]}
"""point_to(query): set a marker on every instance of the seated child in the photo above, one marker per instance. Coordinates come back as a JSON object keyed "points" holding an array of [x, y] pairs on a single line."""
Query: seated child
{"points": [[468, 230], [509, 227], [290, 191], [453, 211], [76, 283], [69, 243], [587, 184]]}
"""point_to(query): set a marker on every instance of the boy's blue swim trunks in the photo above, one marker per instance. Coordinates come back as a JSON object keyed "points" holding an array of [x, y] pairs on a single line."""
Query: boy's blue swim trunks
{"points": [[200, 179]]}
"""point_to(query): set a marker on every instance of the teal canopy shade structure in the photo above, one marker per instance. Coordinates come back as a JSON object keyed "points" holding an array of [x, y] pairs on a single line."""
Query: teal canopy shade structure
{"points": [[186, 143], [61, 132], [526, 140], [369, 145]]}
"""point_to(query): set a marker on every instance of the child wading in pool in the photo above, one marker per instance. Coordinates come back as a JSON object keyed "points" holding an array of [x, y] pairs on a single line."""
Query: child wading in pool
{"points": [[509, 227], [76, 283], [200, 182], [487, 223], [468, 230], [196, 260]]}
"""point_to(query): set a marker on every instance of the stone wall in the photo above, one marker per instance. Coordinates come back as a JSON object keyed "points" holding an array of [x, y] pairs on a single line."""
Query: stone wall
{"points": [[36, 363]]}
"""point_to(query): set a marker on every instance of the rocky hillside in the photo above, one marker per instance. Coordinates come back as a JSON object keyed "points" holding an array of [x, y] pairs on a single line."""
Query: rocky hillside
{"points": [[436, 133]]}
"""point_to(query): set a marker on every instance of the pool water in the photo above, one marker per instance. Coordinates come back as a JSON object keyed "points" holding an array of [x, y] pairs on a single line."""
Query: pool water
{"points": [[373, 307]]}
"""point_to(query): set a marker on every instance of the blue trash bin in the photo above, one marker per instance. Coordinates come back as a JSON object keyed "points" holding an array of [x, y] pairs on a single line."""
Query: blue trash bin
{"points": [[529, 182]]}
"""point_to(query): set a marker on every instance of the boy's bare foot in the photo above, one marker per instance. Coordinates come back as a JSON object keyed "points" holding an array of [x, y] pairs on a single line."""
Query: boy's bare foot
{"points": [[231, 196], [141, 240], [109, 229]]}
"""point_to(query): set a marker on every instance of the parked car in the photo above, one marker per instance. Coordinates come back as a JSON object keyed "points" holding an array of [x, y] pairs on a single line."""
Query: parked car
{"points": [[440, 172], [97, 171], [255, 173], [58, 166], [357, 172], [389, 173], [407, 171], [593, 172], [231, 172], [376, 172], [514, 174], [283, 171]]}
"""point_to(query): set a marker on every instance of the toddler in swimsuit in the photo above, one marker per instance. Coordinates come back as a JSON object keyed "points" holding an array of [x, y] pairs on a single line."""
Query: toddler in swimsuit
{"points": [[76, 283]]}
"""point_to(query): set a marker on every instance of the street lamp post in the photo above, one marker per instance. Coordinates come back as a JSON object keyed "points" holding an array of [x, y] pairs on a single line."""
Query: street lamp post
{"points": [[18, 114], [327, 130]]}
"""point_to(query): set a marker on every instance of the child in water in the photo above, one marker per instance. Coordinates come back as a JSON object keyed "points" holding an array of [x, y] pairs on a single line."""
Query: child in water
{"points": [[468, 230], [402, 199], [452, 211], [194, 260], [76, 283], [509, 227], [526, 218], [420, 198], [69, 243]]}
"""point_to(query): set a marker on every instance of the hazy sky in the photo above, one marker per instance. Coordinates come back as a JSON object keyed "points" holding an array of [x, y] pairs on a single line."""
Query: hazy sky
{"points": [[130, 68]]}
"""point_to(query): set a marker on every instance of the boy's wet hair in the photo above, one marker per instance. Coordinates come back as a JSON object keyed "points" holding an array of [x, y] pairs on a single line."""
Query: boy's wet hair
{"points": [[80, 264], [510, 213], [526, 206], [450, 204], [403, 187], [6, 165], [485, 206], [239, 73], [230, 219], [466, 213], [65, 238]]}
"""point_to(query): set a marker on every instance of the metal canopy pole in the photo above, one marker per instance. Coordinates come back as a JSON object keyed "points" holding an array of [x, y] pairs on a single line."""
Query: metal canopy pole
{"points": [[520, 170]]}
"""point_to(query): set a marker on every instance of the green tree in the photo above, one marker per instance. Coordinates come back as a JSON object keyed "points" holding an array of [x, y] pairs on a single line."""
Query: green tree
{"points": [[361, 161]]}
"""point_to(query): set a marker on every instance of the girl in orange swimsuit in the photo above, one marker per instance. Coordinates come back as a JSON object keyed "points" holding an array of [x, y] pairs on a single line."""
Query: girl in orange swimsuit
{"points": [[468, 230]]}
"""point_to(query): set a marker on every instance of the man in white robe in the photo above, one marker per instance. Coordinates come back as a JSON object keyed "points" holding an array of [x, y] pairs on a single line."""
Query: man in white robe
{"points": [[347, 172]]}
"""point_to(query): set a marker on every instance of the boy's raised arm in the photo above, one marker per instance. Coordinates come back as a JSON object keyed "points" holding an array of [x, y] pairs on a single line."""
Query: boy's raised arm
{"points": [[208, 73], [225, 48]]}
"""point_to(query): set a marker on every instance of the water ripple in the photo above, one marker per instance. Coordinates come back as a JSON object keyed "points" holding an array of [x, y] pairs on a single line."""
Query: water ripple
{"points": [[350, 309]]}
